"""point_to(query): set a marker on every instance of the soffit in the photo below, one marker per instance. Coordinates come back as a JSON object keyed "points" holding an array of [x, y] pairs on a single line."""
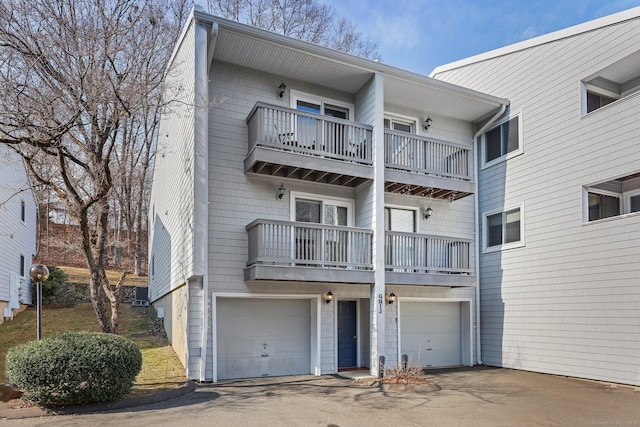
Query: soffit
{"points": [[623, 70]]}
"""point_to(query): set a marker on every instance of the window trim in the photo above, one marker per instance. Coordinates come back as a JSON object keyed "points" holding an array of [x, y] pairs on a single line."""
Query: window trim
{"points": [[321, 100], [506, 156], [400, 118], [624, 200], [504, 246], [337, 201], [626, 203], [415, 209]]}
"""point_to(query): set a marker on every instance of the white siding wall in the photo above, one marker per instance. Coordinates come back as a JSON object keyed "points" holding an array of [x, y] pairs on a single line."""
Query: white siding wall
{"points": [[567, 302], [16, 237], [172, 193]]}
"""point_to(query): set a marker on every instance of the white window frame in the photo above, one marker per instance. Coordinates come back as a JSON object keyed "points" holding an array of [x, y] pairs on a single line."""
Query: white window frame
{"points": [[416, 212], [585, 203], [485, 229], [320, 100], [506, 156], [336, 201], [407, 120], [627, 201]]}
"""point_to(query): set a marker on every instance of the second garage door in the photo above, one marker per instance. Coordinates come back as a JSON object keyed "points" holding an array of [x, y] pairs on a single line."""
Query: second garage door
{"points": [[430, 333], [263, 337]]}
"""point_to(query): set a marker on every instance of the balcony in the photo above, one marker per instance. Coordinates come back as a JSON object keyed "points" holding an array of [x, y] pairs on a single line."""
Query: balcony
{"points": [[427, 167], [284, 142], [419, 259], [308, 252]]}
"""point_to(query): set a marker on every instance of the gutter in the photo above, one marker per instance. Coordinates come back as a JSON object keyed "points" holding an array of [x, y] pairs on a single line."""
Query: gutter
{"points": [[476, 211]]}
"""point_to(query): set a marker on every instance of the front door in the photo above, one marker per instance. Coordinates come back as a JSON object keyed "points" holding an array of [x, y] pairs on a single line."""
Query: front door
{"points": [[347, 335]]}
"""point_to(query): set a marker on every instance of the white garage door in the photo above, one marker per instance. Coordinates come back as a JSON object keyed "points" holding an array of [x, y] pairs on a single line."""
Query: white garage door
{"points": [[263, 337], [430, 333]]}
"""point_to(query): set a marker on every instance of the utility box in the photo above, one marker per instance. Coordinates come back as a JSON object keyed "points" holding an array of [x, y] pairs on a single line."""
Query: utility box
{"points": [[140, 296]]}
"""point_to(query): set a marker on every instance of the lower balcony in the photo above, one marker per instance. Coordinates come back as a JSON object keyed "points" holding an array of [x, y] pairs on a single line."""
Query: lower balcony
{"points": [[308, 252], [419, 259]]}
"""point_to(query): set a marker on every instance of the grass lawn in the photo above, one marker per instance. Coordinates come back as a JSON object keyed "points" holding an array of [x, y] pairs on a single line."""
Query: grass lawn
{"points": [[161, 368]]}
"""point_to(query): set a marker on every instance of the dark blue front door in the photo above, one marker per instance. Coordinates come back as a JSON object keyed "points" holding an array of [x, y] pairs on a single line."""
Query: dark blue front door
{"points": [[347, 335]]}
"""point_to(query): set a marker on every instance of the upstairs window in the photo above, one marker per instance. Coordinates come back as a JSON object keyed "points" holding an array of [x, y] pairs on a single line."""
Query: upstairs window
{"points": [[612, 198], [23, 211], [400, 124], [502, 142], [610, 84], [22, 266], [503, 229]]}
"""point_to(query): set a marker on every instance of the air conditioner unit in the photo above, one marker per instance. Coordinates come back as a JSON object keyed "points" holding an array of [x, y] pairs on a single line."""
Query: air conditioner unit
{"points": [[140, 296]]}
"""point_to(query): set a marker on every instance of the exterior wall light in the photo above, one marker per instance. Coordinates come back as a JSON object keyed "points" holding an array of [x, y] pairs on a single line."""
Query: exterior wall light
{"points": [[428, 212], [281, 89], [391, 298], [328, 297], [281, 190], [427, 123]]}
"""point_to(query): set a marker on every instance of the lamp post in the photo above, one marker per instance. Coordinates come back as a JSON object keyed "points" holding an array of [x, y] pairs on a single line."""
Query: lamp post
{"points": [[39, 273]]}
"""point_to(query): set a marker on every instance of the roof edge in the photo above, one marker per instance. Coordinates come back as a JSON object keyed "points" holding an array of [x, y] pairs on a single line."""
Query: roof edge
{"points": [[614, 19]]}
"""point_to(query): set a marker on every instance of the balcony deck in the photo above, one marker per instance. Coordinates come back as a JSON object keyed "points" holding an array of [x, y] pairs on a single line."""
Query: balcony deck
{"points": [[284, 142], [427, 167]]}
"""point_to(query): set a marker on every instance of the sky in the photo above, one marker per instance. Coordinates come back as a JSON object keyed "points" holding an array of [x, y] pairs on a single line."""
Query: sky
{"points": [[420, 35]]}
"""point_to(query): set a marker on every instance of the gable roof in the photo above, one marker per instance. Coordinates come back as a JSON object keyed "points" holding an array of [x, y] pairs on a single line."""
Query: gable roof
{"points": [[606, 21]]}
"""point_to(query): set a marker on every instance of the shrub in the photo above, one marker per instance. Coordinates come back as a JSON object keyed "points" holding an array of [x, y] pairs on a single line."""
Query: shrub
{"points": [[50, 287], [74, 368]]}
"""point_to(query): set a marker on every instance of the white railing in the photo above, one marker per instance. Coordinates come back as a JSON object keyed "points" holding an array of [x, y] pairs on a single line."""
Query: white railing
{"points": [[308, 133], [309, 245], [411, 252], [417, 154]]}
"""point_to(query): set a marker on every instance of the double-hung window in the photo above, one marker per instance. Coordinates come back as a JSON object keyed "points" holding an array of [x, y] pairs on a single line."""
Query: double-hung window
{"points": [[503, 141], [503, 229]]}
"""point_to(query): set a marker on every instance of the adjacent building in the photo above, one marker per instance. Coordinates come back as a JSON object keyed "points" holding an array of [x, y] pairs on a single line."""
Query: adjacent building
{"points": [[559, 192], [17, 233]]}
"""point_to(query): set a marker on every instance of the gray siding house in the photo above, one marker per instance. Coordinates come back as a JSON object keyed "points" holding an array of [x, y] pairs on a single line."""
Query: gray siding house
{"points": [[559, 193], [312, 211], [18, 211]]}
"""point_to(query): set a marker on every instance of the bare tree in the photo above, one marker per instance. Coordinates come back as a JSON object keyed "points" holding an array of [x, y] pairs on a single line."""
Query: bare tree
{"points": [[74, 74], [306, 20]]}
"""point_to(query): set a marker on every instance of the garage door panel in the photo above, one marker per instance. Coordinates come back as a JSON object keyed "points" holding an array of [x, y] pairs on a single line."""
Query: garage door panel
{"points": [[263, 337]]}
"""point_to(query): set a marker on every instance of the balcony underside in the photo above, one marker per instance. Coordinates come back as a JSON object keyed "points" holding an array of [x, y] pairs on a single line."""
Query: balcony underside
{"points": [[429, 279], [435, 187], [261, 272], [284, 164]]}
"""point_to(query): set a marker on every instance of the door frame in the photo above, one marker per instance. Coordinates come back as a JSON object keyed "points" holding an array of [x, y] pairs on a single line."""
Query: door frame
{"points": [[358, 331], [316, 321], [466, 324]]}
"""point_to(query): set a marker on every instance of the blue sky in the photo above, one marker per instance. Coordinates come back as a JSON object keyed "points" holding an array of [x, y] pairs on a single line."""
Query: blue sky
{"points": [[420, 35]]}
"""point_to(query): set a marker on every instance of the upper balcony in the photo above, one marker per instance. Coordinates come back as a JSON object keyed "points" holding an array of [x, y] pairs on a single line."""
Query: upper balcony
{"points": [[290, 143], [427, 167], [308, 252], [420, 259]]}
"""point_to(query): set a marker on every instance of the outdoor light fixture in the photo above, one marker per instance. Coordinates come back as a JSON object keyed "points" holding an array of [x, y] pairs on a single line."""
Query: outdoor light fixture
{"points": [[328, 297], [427, 123], [428, 212], [39, 273], [281, 190], [391, 298], [281, 89]]}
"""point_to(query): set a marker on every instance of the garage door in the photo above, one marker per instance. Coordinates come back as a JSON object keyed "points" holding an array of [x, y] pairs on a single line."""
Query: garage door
{"points": [[430, 333], [263, 337]]}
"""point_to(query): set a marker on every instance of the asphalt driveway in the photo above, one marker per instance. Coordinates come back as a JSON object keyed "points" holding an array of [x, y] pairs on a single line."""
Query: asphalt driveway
{"points": [[467, 397]]}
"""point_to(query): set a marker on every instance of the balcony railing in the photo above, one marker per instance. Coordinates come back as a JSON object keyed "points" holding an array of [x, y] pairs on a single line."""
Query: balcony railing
{"points": [[417, 154], [419, 253], [307, 133], [302, 244]]}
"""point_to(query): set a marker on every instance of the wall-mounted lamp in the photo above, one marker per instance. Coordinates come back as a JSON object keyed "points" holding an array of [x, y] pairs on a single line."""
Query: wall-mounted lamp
{"points": [[280, 192], [428, 212], [281, 89], [391, 298], [328, 297], [427, 123]]}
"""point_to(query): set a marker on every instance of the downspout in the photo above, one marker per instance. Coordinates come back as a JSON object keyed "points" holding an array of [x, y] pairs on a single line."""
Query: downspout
{"points": [[476, 211]]}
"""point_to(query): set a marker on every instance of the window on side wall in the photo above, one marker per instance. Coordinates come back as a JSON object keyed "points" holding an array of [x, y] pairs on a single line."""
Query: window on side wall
{"points": [[612, 198], [22, 266], [503, 229], [502, 141], [23, 211], [400, 124]]}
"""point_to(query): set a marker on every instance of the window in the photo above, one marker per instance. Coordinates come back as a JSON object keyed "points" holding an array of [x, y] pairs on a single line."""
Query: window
{"points": [[23, 211], [399, 124], [503, 229], [22, 267], [502, 141], [396, 219], [308, 208], [611, 198], [595, 100]]}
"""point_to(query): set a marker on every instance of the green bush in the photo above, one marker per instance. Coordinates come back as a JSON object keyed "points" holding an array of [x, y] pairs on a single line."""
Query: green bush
{"points": [[74, 368], [50, 287]]}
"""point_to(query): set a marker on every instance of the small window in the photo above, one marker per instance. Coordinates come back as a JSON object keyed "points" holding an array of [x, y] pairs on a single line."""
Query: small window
{"points": [[503, 229], [595, 101], [603, 206], [634, 203], [22, 266], [399, 124], [23, 211], [502, 141], [613, 198]]}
